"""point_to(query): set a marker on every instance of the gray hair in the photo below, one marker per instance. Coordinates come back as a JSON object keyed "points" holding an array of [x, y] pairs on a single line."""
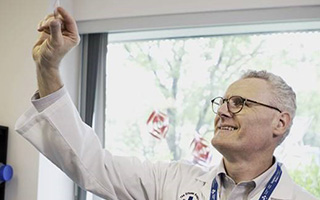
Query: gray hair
{"points": [[283, 95]]}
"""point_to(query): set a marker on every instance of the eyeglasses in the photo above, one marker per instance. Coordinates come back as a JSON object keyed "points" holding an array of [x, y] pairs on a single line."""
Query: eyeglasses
{"points": [[235, 104]]}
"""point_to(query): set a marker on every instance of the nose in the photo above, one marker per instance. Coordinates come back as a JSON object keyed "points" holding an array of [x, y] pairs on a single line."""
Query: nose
{"points": [[222, 114], [223, 110]]}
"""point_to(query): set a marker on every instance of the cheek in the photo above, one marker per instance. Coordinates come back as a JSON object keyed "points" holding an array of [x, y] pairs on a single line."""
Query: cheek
{"points": [[256, 128], [265, 124]]}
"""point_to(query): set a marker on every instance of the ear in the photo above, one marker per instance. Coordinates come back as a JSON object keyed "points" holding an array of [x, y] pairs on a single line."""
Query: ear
{"points": [[281, 123]]}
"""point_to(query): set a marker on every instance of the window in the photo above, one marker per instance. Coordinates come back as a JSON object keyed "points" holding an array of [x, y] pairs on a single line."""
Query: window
{"points": [[177, 77]]}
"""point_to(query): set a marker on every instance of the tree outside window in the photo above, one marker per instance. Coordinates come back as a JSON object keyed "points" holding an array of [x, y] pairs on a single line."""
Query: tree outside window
{"points": [[179, 77]]}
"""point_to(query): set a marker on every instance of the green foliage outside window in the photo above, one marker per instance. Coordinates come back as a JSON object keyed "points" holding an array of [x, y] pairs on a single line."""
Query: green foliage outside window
{"points": [[172, 68], [308, 177]]}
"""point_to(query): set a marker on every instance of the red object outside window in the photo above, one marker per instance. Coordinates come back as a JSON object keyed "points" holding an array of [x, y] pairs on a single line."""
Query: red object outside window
{"points": [[202, 154], [158, 124]]}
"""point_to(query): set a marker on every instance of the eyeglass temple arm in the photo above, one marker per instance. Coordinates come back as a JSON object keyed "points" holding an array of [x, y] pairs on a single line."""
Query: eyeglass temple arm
{"points": [[264, 105]]}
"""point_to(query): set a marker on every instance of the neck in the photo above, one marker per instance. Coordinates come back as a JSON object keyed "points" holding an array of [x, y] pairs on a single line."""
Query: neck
{"points": [[248, 169]]}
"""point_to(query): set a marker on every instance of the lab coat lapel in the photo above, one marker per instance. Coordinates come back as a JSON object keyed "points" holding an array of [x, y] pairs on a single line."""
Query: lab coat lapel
{"points": [[284, 189], [207, 179], [205, 190]]}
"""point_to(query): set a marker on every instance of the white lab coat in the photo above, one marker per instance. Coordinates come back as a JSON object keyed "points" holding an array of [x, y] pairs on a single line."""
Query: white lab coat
{"points": [[59, 133]]}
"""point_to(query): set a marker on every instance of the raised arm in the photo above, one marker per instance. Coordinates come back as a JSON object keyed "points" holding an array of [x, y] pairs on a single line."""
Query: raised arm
{"points": [[58, 35]]}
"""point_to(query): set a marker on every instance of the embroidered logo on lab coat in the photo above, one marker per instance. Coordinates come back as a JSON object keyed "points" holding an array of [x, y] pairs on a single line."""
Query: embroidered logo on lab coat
{"points": [[189, 196]]}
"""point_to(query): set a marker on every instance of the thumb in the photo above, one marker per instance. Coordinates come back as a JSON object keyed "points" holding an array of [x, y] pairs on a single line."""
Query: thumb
{"points": [[56, 33]]}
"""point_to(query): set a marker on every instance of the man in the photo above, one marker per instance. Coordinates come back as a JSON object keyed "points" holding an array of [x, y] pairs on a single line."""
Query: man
{"points": [[252, 118]]}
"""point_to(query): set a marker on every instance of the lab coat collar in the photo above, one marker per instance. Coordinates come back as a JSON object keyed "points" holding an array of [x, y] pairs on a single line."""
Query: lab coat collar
{"points": [[283, 191], [285, 187], [214, 172], [207, 179]]}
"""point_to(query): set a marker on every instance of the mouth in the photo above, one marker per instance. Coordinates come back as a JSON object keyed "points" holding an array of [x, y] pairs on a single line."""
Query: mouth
{"points": [[227, 128]]}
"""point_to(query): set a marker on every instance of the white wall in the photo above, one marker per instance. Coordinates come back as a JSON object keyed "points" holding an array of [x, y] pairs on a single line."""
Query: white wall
{"points": [[17, 83], [18, 22], [106, 9]]}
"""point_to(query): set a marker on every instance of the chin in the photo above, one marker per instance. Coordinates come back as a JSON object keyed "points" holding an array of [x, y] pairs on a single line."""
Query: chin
{"points": [[219, 143], [223, 145]]}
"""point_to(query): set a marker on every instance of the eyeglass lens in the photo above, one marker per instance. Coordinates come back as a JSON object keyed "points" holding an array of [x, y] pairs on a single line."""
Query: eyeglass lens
{"points": [[235, 104]]}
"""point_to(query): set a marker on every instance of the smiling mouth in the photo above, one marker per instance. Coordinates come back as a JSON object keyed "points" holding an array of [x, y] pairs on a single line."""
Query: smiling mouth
{"points": [[227, 128]]}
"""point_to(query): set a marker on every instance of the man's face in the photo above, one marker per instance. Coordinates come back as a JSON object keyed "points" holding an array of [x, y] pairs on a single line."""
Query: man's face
{"points": [[251, 130]]}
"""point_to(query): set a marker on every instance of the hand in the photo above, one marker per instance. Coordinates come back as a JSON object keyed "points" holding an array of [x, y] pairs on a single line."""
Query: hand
{"points": [[58, 35]]}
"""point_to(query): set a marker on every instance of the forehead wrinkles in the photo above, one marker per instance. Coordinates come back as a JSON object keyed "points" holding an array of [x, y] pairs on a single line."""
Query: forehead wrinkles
{"points": [[252, 88]]}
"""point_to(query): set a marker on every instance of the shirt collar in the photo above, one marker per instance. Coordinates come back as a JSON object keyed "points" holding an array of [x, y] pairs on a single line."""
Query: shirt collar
{"points": [[284, 189]]}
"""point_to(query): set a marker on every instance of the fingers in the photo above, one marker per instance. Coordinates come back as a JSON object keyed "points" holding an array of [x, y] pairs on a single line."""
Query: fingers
{"points": [[66, 20], [55, 13], [42, 37], [44, 26], [56, 34], [50, 28], [45, 20], [58, 27], [69, 22]]}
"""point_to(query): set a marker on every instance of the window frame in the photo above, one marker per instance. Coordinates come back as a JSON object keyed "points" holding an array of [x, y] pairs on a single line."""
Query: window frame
{"points": [[206, 23]]}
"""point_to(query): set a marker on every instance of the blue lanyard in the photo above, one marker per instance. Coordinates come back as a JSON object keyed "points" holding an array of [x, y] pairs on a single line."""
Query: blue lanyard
{"points": [[273, 182]]}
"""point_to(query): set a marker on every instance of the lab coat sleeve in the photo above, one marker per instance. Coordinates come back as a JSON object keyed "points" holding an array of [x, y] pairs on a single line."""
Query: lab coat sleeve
{"points": [[59, 133]]}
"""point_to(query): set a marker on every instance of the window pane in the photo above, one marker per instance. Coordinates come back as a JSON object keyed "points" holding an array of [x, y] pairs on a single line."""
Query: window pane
{"points": [[177, 78]]}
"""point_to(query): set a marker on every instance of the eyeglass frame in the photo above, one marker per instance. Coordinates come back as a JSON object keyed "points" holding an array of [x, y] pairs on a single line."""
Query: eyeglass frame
{"points": [[244, 100]]}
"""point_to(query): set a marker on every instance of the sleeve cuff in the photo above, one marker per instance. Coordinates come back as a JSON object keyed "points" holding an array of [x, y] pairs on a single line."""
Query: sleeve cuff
{"points": [[42, 103]]}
